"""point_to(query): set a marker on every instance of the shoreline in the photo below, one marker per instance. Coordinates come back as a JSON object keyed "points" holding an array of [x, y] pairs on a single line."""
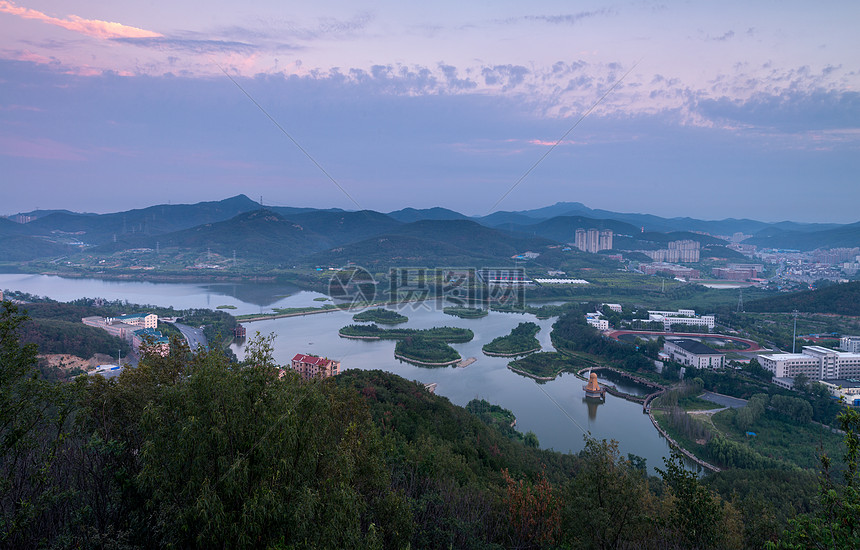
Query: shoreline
{"points": [[518, 354], [426, 364]]}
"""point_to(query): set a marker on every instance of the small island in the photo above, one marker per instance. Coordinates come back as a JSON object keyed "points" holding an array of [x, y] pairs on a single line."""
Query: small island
{"points": [[381, 316], [521, 341], [543, 366], [427, 348], [466, 312], [439, 334], [426, 353], [225, 307]]}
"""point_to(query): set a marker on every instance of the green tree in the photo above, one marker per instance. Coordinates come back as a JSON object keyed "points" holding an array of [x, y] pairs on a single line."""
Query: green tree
{"points": [[836, 523], [242, 457], [34, 422], [606, 503], [695, 516]]}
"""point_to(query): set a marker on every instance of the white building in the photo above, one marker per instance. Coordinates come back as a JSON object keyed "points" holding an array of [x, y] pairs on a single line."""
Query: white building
{"points": [[613, 307], [681, 317], [815, 362], [596, 320], [850, 344], [693, 354]]}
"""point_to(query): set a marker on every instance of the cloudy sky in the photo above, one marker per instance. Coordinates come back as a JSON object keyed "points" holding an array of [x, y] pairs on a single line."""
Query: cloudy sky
{"points": [[704, 109]]}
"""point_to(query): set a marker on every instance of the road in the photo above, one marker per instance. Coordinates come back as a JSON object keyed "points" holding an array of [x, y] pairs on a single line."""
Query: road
{"points": [[724, 400], [194, 336]]}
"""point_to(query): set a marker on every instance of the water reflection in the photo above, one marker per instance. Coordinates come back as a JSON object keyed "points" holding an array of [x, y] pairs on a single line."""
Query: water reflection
{"points": [[592, 405]]}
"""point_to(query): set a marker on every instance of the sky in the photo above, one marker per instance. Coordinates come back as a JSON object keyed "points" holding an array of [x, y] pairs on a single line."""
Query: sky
{"points": [[703, 109]]}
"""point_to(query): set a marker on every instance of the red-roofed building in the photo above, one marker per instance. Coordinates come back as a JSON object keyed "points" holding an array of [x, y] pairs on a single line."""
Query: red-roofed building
{"points": [[311, 366]]}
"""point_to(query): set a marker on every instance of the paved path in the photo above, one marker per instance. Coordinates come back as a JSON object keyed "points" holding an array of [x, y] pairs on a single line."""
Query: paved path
{"points": [[194, 336], [724, 400]]}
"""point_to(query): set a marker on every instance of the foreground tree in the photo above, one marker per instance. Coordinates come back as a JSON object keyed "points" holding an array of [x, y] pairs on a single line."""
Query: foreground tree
{"points": [[34, 422], [836, 524]]}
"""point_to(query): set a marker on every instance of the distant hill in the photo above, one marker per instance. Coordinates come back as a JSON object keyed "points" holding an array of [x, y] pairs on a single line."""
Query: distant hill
{"points": [[847, 236], [433, 243], [409, 215], [653, 223], [563, 228], [154, 220], [22, 248], [841, 299], [260, 235], [345, 227]]}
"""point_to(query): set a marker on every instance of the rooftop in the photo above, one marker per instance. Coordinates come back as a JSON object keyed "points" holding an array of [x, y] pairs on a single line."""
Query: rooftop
{"points": [[694, 347]]}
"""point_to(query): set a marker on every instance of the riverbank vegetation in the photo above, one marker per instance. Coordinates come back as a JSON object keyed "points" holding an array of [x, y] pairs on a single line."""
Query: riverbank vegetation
{"points": [[501, 419], [191, 451], [466, 312], [425, 352], [380, 316], [546, 364], [520, 341]]}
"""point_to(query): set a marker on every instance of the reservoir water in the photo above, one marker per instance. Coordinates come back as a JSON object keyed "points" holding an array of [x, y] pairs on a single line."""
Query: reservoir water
{"points": [[555, 411]]}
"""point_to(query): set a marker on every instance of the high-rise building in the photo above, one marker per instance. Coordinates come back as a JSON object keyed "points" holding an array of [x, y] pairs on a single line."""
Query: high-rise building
{"points": [[593, 240]]}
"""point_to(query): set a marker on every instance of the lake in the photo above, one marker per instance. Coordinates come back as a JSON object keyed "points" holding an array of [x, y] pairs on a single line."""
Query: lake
{"points": [[555, 411]]}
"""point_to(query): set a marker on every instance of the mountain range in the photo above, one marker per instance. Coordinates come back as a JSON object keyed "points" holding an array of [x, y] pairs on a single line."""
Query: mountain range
{"points": [[334, 235]]}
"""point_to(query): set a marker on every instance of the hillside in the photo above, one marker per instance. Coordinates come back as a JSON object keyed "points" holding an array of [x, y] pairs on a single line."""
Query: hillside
{"points": [[409, 215], [847, 236], [345, 227], [563, 228], [259, 235], [433, 243], [154, 220], [841, 299]]}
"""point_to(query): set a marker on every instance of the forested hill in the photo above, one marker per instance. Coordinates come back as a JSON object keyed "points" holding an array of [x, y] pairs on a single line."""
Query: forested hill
{"points": [[841, 299]]}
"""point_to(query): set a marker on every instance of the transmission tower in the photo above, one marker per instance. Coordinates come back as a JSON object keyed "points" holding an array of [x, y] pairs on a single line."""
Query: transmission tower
{"points": [[741, 301]]}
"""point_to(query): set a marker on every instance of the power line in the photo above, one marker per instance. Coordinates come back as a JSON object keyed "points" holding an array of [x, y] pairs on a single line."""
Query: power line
{"points": [[554, 145]]}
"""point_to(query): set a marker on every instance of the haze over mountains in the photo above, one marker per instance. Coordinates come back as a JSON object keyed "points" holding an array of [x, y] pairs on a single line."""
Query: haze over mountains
{"points": [[334, 235]]}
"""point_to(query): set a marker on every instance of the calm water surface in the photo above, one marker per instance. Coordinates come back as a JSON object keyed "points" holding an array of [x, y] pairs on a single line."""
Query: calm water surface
{"points": [[555, 411]]}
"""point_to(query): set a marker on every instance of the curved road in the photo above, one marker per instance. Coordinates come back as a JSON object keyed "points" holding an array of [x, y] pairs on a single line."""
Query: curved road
{"points": [[194, 336]]}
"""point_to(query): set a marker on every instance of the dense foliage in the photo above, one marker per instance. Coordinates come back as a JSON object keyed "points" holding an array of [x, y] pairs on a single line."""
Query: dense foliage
{"points": [[381, 316], [546, 364], [520, 341], [841, 299], [422, 350], [466, 312]]}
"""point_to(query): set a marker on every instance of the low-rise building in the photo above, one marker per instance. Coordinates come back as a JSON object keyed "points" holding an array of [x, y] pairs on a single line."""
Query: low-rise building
{"points": [[682, 317], [152, 338], [145, 320], [312, 366], [814, 362], [597, 321], [846, 389], [692, 353]]}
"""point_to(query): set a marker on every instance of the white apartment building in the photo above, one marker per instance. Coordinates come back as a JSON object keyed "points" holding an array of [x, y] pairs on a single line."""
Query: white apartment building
{"points": [[815, 362]]}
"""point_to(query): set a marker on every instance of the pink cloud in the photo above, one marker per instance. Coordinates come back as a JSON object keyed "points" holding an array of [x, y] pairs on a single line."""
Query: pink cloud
{"points": [[89, 27]]}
